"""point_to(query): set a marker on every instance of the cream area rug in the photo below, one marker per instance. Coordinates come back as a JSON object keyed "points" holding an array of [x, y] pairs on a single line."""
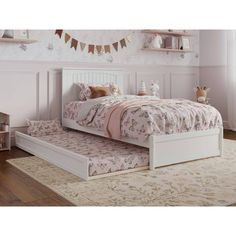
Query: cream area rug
{"points": [[207, 182]]}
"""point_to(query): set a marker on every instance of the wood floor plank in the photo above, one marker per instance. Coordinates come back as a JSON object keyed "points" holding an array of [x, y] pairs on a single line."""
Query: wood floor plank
{"points": [[19, 189]]}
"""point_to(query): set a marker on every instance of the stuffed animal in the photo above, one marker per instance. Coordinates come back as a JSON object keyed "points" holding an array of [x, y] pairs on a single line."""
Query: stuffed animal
{"points": [[114, 89], [201, 94], [155, 88], [156, 42]]}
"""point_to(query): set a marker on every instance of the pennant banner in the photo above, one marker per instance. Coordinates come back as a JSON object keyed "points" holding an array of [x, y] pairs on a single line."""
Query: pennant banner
{"points": [[82, 46], [92, 48], [107, 49], [74, 43], [129, 38], [59, 33], [122, 43], [115, 45], [67, 37], [98, 48]]}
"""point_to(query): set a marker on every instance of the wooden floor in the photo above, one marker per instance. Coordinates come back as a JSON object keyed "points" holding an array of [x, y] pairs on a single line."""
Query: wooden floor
{"points": [[18, 189]]}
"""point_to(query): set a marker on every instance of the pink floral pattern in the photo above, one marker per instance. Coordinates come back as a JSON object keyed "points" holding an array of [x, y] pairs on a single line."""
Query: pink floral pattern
{"points": [[167, 117], [84, 91], [104, 155], [71, 110], [37, 128]]}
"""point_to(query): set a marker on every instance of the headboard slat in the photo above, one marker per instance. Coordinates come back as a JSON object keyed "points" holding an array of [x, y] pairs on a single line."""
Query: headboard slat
{"points": [[72, 76]]}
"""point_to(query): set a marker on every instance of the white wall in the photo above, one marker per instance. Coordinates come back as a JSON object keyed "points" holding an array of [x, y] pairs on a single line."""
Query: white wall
{"points": [[213, 67], [132, 55], [213, 48], [30, 81]]}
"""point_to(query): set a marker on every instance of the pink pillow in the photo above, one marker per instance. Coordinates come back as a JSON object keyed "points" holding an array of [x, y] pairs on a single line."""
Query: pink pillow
{"points": [[39, 128]]}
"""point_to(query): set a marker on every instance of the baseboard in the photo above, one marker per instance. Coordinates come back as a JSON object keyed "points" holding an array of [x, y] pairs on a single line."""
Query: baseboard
{"points": [[226, 124]]}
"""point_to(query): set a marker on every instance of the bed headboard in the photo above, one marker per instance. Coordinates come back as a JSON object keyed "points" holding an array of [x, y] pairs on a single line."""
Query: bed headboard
{"points": [[72, 76]]}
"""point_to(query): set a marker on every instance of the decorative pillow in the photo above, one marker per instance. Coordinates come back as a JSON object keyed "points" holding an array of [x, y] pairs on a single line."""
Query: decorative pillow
{"points": [[97, 92], [84, 91], [39, 128]]}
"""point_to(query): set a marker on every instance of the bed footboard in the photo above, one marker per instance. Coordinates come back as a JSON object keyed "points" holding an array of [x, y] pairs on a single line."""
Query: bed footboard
{"points": [[172, 149]]}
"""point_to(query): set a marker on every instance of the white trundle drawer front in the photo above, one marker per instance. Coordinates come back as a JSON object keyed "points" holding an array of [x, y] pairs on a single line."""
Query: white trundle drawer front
{"points": [[67, 160]]}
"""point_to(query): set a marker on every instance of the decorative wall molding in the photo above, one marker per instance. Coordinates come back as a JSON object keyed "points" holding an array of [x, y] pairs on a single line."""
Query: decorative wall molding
{"points": [[33, 89], [182, 85]]}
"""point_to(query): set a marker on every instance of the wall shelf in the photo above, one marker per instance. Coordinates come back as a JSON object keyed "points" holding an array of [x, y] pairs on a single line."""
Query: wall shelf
{"points": [[167, 50], [20, 41], [172, 41], [164, 32]]}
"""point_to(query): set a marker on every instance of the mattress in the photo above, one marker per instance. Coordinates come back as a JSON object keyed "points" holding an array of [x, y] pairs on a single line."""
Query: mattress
{"points": [[104, 155], [163, 116]]}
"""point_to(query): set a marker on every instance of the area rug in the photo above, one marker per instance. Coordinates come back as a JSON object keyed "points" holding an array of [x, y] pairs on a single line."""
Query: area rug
{"points": [[206, 182]]}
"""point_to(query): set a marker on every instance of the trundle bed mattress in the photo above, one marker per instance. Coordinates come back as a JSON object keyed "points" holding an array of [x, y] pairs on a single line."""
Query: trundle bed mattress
{"points": [[103, 155]]}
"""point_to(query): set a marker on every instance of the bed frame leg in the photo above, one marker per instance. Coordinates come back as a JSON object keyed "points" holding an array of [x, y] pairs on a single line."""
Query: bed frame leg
{"points": [[152, 152]]}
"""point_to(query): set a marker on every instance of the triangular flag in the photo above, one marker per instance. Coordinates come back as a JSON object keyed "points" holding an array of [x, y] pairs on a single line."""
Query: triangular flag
{"points": [[122, 43], [129, 38], [107, 48], [74, 43], [98, 48], [82, 46], [91, 48], [59, 33], [115, 45], [67, 37], [102, 50]]}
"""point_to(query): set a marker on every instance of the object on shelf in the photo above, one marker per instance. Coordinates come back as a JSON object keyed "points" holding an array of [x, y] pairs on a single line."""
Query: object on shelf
{"points": [[185, 43], [1, 33], [172, 41], [8, 34], [142, 91], [156, 42], [21, 34]]}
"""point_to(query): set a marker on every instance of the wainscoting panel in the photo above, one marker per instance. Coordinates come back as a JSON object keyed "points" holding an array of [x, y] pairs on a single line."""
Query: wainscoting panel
{"points": [[182, 85], [19, 95], [148, 77], [33, 89]]}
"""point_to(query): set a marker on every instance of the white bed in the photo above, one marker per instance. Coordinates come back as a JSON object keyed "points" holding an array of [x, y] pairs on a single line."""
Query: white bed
{"points": [[163, 149]]}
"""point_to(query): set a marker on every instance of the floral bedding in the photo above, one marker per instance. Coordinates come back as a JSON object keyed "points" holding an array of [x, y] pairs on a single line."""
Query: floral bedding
{"points": [[167, 116], [104, 155]]}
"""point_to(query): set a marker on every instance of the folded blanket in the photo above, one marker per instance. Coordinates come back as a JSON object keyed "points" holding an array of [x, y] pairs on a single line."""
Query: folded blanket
{"points": [[113, 117]]}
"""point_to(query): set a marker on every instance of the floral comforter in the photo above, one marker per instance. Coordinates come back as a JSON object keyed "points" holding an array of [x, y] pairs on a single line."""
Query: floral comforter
{"points": [[167, 116]]}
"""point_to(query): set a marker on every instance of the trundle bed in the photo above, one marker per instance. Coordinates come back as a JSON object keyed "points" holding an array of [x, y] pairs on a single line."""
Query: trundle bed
{"points": [[162, 150]]}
